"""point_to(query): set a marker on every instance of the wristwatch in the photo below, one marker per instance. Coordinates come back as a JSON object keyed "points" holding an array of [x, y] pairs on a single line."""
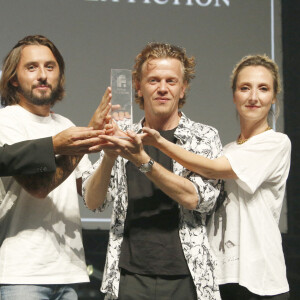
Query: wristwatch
{"points": [[147, 167]]}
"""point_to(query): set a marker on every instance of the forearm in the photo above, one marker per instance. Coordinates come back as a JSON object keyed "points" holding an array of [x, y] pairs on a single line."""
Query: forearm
{"points": [[176, 187], [209, 168], [97, 184], [40, 185]]}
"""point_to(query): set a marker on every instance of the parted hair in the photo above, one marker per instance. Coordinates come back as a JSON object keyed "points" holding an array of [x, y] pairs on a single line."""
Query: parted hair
{"points": [[9, 69], [264, 61], [257, 60]]}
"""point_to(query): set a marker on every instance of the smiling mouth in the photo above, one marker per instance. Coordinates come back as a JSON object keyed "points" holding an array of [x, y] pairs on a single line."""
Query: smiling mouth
{"points": [[252, 106], [162, 99]]}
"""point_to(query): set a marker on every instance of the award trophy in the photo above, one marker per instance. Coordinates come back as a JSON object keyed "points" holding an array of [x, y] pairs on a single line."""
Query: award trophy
{"points": [[121, 89]]}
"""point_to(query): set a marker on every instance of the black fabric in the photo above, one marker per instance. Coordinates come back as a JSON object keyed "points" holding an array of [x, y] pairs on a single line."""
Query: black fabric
{"points": [[28, 157], [141, 287], [151, 243], [234, 291]]}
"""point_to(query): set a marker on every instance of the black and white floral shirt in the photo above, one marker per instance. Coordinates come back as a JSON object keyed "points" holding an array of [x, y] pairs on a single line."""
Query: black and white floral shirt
{"points": [[194, 137]]}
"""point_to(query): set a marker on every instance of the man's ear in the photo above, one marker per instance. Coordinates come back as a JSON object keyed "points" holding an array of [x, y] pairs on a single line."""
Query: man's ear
{"points": [[14, 81], [138, 88], [183, 90]]}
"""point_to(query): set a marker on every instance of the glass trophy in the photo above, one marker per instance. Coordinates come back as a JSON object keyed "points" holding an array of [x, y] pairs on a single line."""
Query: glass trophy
{"points": [[121, 89]]}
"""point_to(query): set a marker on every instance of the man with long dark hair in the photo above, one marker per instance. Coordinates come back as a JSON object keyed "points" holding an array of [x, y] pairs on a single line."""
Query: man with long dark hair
{"points": [[41, 254]]}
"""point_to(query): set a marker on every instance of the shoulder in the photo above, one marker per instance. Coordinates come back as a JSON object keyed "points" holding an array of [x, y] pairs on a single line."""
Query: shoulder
{"points": [[8, 110], [269, 142], [197, 129], [280, 137], [10, 115], [61, 119], [273, 139]]}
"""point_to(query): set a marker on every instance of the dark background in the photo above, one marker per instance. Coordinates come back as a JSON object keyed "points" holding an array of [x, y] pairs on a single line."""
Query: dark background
{"points": [[291, 76]]}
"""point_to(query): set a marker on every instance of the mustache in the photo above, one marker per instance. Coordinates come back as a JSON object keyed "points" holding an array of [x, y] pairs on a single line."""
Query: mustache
{"points": [[42, 83]]}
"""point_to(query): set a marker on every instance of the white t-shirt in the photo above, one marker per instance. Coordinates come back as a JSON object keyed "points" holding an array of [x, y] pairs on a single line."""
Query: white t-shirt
{"points": [[244, 233], [40, 239]]}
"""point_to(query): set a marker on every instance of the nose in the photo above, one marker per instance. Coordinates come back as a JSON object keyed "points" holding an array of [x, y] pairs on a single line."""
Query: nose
{"points": [[254, 95], [42, 74], [162, 88]]}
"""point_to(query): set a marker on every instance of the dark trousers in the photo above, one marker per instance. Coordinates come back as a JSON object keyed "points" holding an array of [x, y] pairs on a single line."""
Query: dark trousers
{"points": [[234, 291], [141, 287]]}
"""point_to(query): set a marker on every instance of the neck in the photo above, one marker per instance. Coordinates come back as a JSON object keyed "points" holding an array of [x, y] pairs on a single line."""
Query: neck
{"points": [[249, 129], [41, 111], [162, 124]]}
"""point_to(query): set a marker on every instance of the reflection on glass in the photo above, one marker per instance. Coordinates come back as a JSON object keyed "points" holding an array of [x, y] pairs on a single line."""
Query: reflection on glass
{"points": [[121, 88]]}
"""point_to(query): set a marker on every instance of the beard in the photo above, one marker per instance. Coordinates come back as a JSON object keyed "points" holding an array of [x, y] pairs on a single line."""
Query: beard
{"points": [[42, 98]]}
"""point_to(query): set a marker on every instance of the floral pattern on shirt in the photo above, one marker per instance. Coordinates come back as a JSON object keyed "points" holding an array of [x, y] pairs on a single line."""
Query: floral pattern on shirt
{"points": [[194, 137]]}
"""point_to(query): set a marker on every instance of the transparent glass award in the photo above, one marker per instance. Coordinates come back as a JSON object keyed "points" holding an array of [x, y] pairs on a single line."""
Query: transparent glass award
{"points": [[121, 89]]}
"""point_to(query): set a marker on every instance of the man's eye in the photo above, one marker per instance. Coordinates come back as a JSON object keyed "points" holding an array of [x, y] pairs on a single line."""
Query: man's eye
{"points": [[50, 67], [30, 68]]}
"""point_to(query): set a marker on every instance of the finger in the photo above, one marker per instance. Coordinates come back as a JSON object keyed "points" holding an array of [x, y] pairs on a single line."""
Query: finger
{"points": [[115, 116], [106, 97], [95, 149], [121, 115], [143, 135], [106, 110], [134, 136], [127, 115], [115, 107], [109, 138], [84, 135]]}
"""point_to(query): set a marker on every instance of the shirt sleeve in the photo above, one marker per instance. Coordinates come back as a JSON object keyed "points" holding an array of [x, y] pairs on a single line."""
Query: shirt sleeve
{"points": [[83, 166], [27, 157], [207, 189], [257, 161]]}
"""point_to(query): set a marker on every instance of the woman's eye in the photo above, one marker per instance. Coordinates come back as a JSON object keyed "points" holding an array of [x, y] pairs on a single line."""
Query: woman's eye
{"points": [[264, 89], [244, 88]]}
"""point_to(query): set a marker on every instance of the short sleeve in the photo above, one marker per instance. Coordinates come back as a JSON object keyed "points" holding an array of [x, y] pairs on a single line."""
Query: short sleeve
{"points": [[263, 158]]}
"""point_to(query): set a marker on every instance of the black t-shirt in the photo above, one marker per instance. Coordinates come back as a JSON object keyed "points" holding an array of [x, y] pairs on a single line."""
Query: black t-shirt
{"points": [[151, 243]]}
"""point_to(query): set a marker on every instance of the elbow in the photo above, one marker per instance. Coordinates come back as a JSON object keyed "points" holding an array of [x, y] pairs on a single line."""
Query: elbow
{"points": [[91, 206], [191, 204], [91, 202]]}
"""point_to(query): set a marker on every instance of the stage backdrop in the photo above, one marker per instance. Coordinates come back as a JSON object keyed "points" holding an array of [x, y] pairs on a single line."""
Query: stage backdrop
{"points": [[97, 35]]}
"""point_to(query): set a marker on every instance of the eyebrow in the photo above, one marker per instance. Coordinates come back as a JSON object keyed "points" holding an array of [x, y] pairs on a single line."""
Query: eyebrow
{"points": [[47, 62]]}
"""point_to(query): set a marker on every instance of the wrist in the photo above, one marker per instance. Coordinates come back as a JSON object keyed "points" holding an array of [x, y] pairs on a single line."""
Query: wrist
{"points": [[141, 159], [146, 167], [55, 145]]}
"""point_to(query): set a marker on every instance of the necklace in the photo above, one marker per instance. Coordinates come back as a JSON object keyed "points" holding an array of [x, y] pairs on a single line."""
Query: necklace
{"points": [[240, 140]]}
